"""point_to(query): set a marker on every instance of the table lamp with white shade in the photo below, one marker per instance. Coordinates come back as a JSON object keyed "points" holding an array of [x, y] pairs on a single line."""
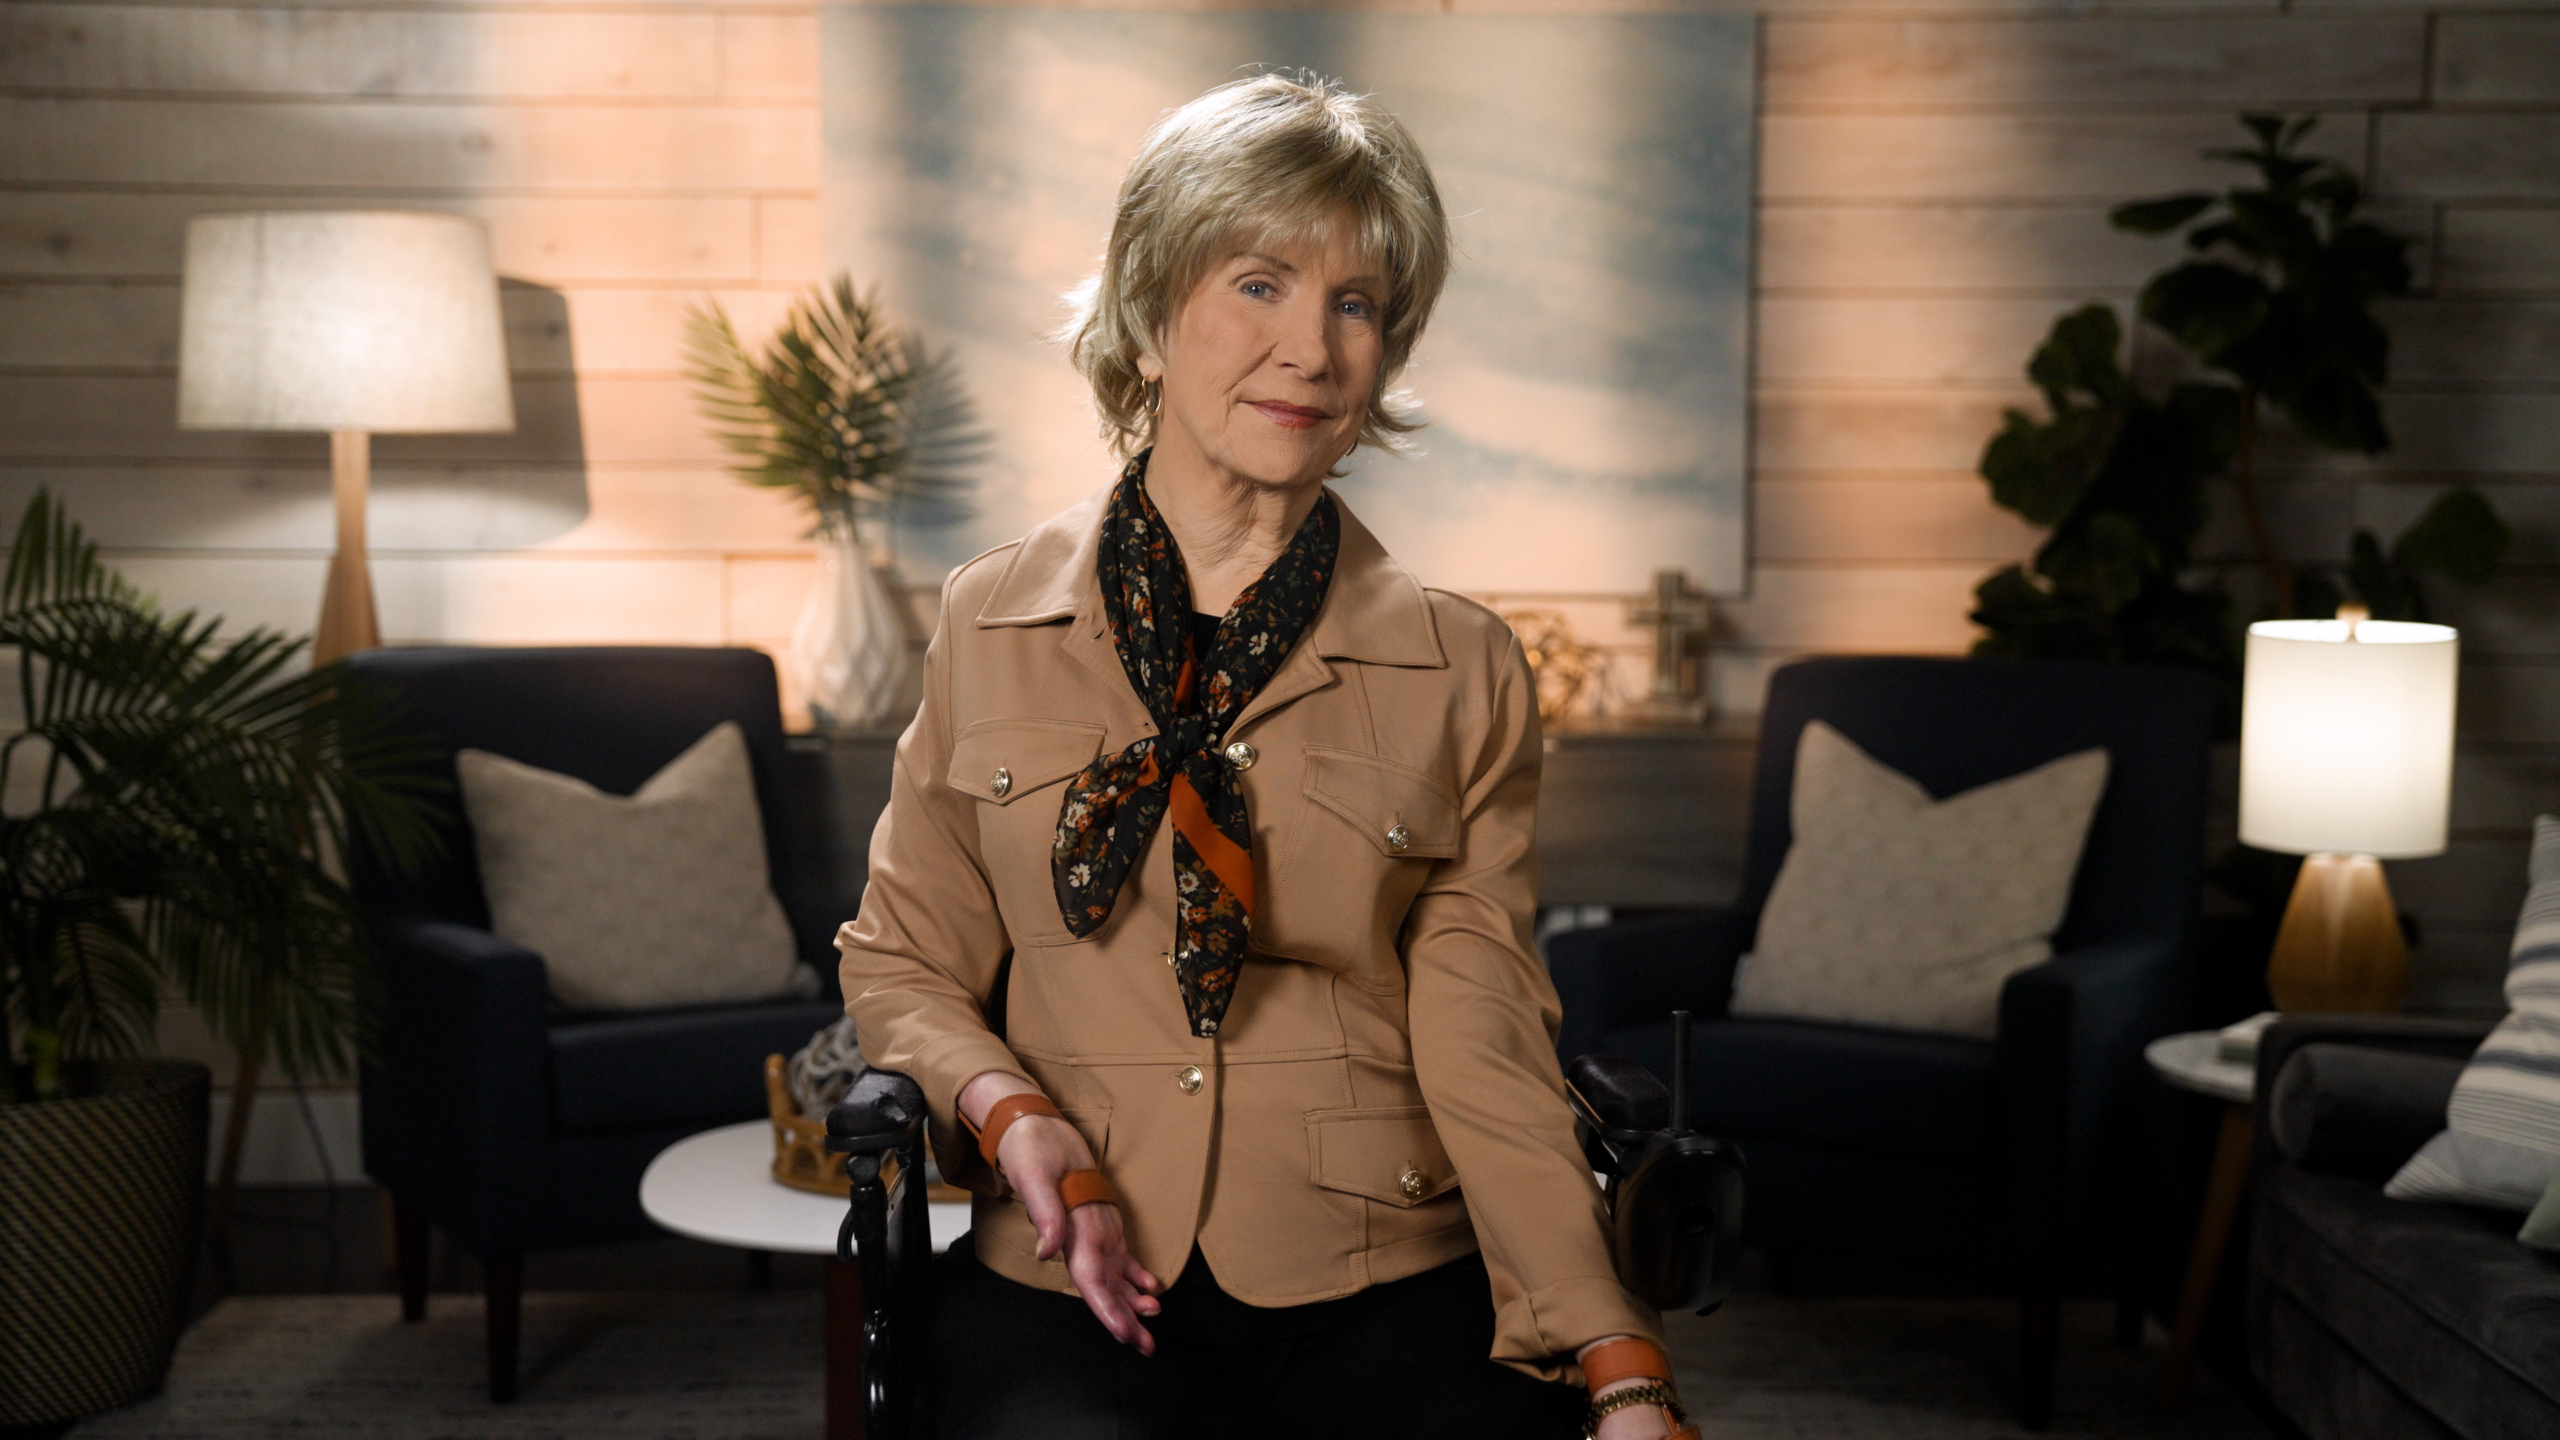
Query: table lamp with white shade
{"points": [[349, 322], [2346, 758]]}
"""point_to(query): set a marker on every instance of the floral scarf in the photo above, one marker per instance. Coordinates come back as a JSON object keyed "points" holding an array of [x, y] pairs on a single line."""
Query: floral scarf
{"points": [[1113, 806]]}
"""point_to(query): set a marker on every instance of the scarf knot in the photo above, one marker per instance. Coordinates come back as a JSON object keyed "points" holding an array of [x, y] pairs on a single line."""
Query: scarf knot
{"points": [[1112, 807]]}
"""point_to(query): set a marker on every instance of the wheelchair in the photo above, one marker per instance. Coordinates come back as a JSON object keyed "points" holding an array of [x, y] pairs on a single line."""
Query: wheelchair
{"points": [[1674, 1200]]}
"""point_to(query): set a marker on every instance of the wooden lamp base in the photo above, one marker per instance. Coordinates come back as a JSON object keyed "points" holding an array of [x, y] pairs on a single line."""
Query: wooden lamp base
{"points": [[347, 621], [2341, 947]]}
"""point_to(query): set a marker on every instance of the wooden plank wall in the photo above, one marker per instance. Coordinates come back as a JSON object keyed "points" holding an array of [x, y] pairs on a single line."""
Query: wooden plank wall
{"points": [[1933, 179]]}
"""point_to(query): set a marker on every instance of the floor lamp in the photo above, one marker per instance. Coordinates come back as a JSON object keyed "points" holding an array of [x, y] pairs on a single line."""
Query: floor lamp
{"points": [[348, 322], [2346, 759]]}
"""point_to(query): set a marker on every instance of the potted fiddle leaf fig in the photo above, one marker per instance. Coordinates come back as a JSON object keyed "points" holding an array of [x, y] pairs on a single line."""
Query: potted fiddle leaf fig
{"points": [[2274, 308], [170, 803]]}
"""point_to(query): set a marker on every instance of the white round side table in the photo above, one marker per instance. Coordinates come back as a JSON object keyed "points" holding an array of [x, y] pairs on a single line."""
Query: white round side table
{"points": [[2193, 1062], [718, 1186]]}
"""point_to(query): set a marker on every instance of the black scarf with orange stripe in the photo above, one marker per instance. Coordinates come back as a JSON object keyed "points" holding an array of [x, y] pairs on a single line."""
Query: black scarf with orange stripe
{"points": [[1113, 806]]}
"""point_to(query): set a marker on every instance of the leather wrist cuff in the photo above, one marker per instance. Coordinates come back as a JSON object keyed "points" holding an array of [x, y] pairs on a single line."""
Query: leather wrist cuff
{"points": [[1626, 1358], [1085, 1187], [1000, 1118]]}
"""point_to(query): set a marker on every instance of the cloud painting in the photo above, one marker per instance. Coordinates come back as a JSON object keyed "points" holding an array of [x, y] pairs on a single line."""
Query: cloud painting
{"points": [[1586, 378]]}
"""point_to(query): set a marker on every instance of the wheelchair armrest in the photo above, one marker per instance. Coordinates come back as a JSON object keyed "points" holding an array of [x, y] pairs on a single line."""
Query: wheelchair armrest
{"points": [[1622, 1095], [883, 1111]]}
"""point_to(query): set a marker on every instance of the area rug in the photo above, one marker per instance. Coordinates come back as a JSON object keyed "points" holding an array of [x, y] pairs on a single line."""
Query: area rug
{"points": [[744, 1366]]}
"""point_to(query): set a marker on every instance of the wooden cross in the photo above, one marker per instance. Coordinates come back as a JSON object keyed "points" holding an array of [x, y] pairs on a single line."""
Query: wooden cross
{"points": [[1679, 620]]}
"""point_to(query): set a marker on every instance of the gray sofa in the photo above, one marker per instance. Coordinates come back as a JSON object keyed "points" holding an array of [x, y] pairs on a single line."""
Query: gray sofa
{"points": [[2372, 1317]]}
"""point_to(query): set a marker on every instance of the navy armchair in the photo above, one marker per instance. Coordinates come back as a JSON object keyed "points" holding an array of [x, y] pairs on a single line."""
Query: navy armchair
{"points": [[490, 1114], [1893, 1145]]}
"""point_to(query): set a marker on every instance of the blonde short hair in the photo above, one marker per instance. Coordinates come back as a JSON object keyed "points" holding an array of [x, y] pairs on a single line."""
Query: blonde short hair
{"points": [[1274, 157]]}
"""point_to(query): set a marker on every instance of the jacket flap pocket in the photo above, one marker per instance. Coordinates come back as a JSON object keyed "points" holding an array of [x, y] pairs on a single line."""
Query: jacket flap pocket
{"points": [[1390, 1155], [1004, 760], [1402, 811]]}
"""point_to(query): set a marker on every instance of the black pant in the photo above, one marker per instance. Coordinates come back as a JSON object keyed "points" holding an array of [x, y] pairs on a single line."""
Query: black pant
{"points": [[1401, 1361]]}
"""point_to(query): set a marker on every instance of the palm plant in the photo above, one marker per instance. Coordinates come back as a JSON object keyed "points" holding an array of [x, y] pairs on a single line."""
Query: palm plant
{"points": [[839, 408], [174, 800]]}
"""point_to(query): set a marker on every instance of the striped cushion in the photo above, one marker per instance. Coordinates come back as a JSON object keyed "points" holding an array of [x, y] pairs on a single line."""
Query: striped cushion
{"points": [[2502, 1146]]}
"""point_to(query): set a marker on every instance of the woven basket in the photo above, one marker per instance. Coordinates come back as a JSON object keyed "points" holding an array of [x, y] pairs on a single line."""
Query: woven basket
{"points": [[101, 1201], [800, 1157]]}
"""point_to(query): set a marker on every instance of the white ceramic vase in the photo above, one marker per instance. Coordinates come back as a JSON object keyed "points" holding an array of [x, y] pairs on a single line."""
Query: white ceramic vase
{"points": [[850, 647]]}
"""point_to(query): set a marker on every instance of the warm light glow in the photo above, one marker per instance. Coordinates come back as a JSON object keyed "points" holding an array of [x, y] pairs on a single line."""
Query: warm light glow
{"points": [[373, 320], [2346, 737]]}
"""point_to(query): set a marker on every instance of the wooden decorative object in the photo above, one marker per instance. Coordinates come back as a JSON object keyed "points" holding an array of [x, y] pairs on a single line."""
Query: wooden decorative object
{"points": [[1565, 665], [2341, 947], [801, 1159]]}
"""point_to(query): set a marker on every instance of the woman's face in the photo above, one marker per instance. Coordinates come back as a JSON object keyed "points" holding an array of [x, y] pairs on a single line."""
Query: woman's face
{"points": [[1269, 363]]}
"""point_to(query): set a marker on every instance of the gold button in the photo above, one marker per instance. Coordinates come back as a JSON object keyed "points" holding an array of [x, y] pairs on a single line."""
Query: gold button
{"points": [[1412, 1183], [1242, 756], [1399, 839], [1002, 785], [1187, 1079]]}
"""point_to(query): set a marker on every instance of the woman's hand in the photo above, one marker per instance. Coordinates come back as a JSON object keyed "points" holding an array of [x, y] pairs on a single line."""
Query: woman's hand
{"points": [[1038, 1151]]}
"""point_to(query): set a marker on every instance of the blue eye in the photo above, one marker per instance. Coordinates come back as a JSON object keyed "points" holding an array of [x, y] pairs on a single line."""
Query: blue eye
{"points": [[1257, 288], [1355, 308]]}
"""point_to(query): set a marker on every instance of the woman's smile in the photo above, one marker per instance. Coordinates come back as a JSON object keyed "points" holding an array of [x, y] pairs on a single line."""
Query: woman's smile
{"points": [[1288, 416]]}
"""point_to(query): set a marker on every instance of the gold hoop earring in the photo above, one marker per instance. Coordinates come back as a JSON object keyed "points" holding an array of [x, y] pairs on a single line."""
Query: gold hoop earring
{"points": [[1155, 398]]}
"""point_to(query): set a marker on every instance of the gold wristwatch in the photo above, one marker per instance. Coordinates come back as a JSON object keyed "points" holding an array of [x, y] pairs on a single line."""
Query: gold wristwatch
{"points": [[1651, 1392]]}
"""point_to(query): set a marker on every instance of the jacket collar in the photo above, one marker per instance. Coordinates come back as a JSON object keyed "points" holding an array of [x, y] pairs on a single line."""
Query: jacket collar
{"points": [[1375, 611]]}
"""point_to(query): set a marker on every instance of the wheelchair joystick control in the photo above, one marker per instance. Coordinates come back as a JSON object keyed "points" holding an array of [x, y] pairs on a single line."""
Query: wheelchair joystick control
{"points": [[1674, 1195]]}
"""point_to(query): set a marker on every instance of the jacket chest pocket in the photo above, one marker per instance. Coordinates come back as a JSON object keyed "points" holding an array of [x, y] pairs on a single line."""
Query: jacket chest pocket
{"points": [[1357, 857], [1016, 770]]}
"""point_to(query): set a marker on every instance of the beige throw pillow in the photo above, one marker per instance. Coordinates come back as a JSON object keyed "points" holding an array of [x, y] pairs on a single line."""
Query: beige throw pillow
{"points": [[658, 899], [1899, 910]]}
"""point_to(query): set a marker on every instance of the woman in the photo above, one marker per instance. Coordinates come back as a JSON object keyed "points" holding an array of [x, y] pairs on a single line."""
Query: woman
{"points": [[1202, 906]]}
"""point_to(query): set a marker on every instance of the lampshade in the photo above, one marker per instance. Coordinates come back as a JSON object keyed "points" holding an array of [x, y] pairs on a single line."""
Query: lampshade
{"points": [[2346, 737], [361, 320]]}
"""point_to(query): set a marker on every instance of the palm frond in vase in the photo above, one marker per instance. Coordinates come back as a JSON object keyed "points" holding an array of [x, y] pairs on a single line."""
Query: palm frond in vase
{"points": [[843, 410]]}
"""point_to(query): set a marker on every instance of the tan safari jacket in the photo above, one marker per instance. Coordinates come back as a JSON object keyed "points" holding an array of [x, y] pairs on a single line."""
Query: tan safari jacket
{"points": [[1383, 1095]]}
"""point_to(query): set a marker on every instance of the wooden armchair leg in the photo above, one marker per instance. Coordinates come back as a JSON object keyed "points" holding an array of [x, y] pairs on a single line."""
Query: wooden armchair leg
{"points": [[409, 1257], [504, 1278], [2039, 1343]]}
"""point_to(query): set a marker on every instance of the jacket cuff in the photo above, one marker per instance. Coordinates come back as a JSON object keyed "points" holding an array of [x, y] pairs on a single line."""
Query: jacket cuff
{"points": [[1538, 1333], [943, 1068]]}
